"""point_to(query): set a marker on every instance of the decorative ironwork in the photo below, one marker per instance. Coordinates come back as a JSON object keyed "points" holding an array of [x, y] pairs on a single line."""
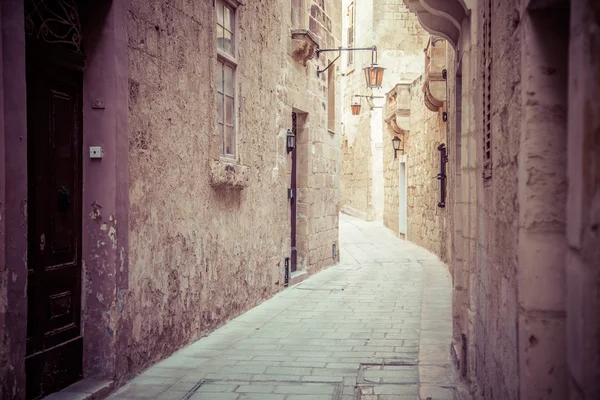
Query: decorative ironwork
{"points": [[442, 175], [54, 21]]}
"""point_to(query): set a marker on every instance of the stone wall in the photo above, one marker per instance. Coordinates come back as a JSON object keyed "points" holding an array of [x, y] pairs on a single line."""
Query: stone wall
{"points": [[583, 205], [203, 250], [426, 221], [498, 213]]}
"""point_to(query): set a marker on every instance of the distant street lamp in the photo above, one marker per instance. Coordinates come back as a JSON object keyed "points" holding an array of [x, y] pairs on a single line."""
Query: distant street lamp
{"points": [[396, 143], [356, 105], [290, 141]]}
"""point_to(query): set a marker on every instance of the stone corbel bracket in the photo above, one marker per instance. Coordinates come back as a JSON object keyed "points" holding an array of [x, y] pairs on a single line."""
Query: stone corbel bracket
{"points": [[304, 45], [397, 108], [441, 17], [434, 87], [228, 175]]}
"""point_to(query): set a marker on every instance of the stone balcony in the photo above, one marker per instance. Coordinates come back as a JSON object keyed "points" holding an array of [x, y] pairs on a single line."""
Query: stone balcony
{"points": [[434, 87], [397, 108], [442, 18]]}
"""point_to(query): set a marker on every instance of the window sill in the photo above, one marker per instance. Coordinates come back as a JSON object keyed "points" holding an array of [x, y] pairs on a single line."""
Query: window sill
{"points": [[227, 174]]}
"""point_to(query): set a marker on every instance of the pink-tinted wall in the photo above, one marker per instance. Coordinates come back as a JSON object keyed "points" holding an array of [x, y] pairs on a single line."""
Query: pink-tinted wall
{"points": [[13, 201], [105, 189]]}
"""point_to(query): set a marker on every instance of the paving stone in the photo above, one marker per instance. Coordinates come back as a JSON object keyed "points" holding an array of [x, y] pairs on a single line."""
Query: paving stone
{"points": [[256, 388], [140, 391], [214, 396], [312, 337], [305, 389]]}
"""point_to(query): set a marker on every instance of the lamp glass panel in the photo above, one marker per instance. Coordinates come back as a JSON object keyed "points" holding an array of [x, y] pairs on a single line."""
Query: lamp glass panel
{"points": [[379, 79]]}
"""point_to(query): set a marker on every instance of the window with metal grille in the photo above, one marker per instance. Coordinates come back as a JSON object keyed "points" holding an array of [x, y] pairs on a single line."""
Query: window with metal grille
{"points": [[351, 33], [487, 91]]}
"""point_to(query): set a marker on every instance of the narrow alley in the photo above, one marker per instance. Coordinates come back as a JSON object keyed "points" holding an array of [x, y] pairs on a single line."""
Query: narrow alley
{"points": [[300, 199], [376, 326]]}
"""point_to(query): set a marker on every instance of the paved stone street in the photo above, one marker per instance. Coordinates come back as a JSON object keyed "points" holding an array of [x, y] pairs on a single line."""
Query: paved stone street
{"points": [[375, 327]]}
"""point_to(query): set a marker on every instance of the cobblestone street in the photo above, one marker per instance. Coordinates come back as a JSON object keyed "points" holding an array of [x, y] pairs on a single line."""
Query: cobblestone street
{"points": [[376, 326]]}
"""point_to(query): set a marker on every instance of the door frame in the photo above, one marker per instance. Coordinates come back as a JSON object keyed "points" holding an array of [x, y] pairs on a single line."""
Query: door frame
{"points": [[293, 198]]}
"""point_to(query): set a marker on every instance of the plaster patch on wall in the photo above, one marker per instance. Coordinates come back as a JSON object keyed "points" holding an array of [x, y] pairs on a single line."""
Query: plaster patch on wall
{"points": [[112, 234]]}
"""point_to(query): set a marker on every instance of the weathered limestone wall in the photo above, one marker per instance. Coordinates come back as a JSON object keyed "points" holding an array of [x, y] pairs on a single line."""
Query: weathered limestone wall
{"points": [[542, 162], [463, 177], [199, 254], [426, 220], [355, 186], [497, 220], [583, 205]]}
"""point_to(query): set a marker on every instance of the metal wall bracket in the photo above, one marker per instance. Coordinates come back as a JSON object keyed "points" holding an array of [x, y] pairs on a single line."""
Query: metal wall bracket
{"points": [[340, 49]]}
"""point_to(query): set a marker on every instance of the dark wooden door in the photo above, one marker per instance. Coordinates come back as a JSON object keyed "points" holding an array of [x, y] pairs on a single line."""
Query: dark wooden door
{"points": [[293, 201], [54, 116]]}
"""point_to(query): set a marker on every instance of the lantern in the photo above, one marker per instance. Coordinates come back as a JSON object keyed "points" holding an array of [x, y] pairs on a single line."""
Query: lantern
{"points": [[290, 140], [355, 108], [374, 76], [396, 144]]}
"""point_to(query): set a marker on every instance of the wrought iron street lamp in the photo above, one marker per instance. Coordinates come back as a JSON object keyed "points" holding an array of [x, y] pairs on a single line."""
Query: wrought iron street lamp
{"points": [[290, 141], [355, 108], [373, 73], [396, 143]]}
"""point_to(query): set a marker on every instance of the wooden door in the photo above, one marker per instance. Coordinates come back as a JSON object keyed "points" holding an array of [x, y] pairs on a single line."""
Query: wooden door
{"points": [[293, 201], [54, 117]]}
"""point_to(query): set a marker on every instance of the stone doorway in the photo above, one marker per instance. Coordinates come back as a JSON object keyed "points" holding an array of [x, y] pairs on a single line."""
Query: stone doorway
{"points": [[299, 207]]}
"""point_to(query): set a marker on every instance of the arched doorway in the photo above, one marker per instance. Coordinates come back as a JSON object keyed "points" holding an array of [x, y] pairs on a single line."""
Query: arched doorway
{"points": [[54, 77]]}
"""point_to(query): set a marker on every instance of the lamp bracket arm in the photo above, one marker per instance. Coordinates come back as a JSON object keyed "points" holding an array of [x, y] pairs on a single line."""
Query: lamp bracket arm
{"points": [[319, 71]]}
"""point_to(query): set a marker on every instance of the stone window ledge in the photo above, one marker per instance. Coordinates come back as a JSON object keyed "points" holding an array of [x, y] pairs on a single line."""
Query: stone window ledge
{"points": [[227, 174], [305, 45]]}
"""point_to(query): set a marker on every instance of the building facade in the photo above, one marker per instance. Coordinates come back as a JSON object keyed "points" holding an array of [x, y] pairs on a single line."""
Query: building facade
{"points": [[147, 193], [521, 210], [400, 41]]}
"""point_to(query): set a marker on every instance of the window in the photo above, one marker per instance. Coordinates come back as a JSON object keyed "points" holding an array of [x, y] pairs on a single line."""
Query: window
{"points": [[351, 33], [226, 77], [298, 14], [487, 91]]}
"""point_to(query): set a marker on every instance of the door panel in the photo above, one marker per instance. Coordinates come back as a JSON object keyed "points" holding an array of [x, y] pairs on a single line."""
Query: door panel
{"points": [[54, 114]]}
